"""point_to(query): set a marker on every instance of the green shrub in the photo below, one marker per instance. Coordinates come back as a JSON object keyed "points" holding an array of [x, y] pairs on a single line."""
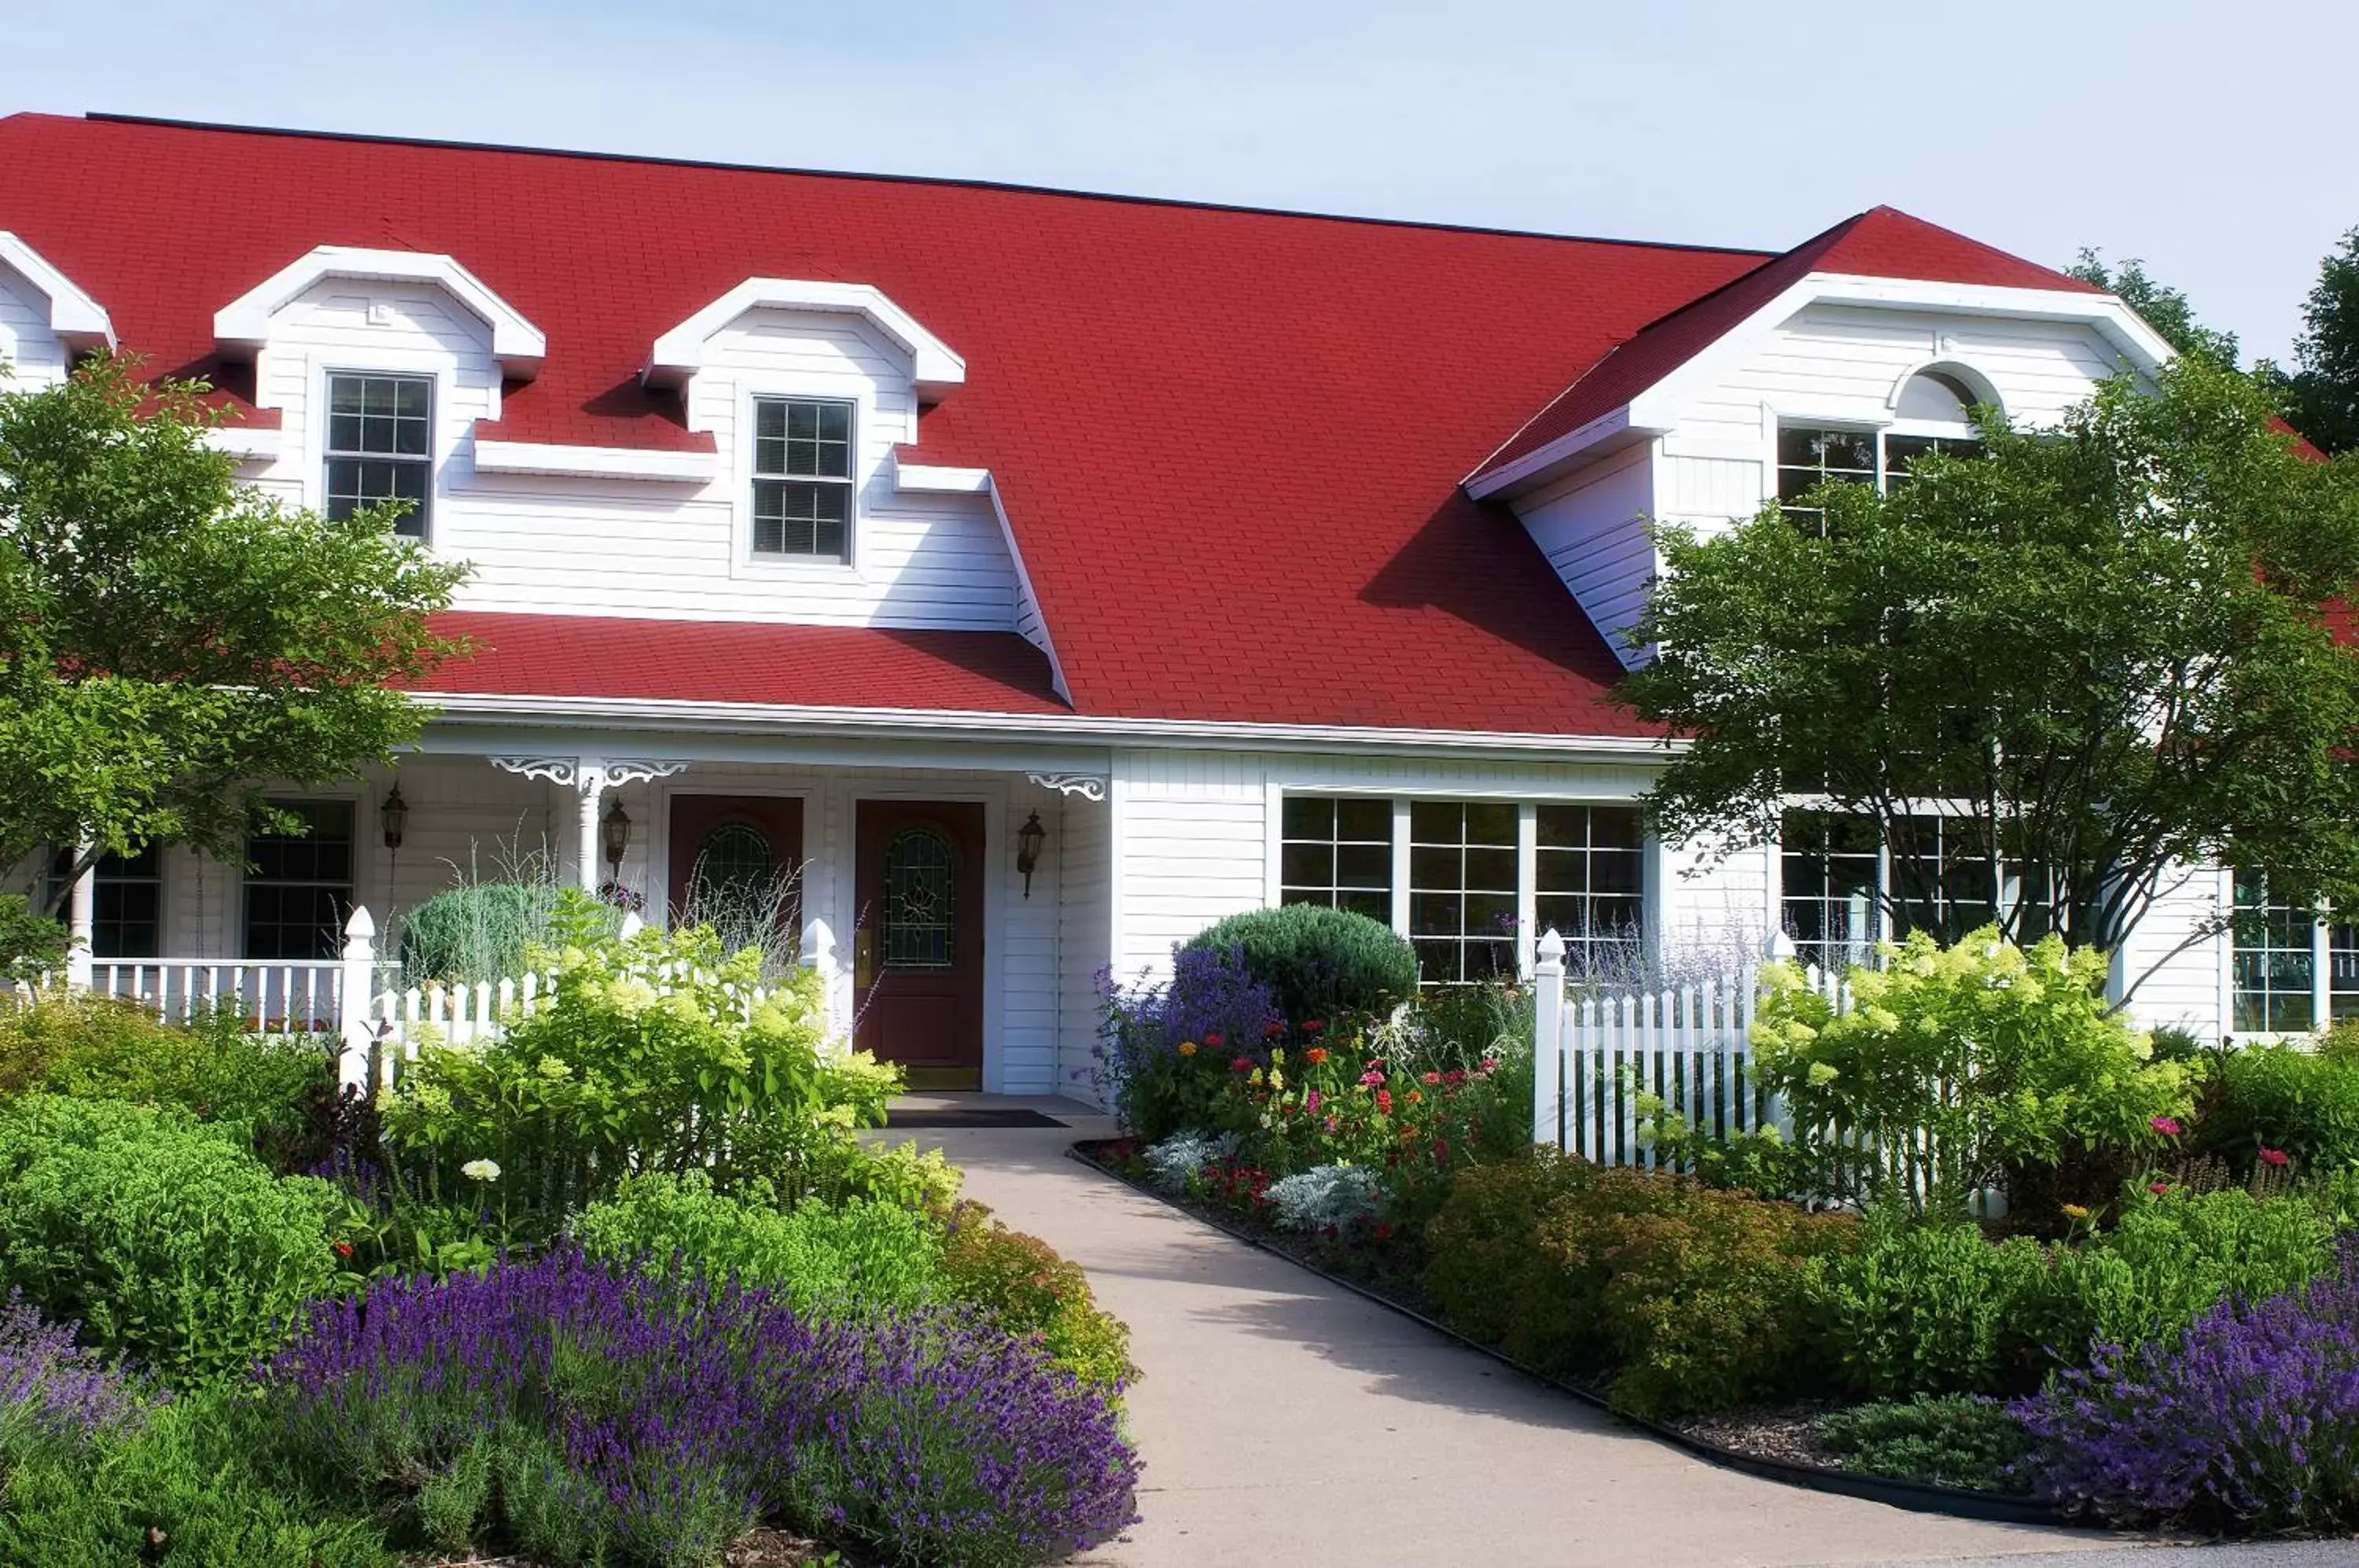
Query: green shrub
{"points": [[1483, 1267], [818, 1256], [1687, 1299], [192, 1488], [477, 931], [95, 1047], [1932, 1309], [162, 1238], [1028, 1289], [1954, 1067], [1952, 1441], [1319, 963], [616, 1073], [2172, 1258], [2279, 1096]]}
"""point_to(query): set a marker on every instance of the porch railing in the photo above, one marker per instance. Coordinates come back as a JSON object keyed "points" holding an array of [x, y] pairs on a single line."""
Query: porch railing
{"points": [[356, 999]]}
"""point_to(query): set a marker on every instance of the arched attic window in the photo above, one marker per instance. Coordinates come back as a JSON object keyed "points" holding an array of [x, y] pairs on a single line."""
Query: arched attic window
{"points": [[1932, 412]]}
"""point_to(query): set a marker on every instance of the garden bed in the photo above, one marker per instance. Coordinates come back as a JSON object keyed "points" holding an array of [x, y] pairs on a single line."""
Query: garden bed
{"points": [[1778, 1445]]}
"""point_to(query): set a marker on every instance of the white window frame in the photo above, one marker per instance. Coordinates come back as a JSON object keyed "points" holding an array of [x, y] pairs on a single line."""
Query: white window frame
{"points": [[745, 564], [1526, 848], [362, 863], [2322, 973], [410, 365]]}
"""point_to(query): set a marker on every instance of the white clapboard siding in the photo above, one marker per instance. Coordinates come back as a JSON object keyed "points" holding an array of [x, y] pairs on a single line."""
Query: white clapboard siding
{"points": [[30, 354], [1593, 531]]}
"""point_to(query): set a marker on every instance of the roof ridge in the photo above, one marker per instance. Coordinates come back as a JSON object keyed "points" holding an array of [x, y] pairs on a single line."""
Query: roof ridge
{"points": [[1015, 187]]}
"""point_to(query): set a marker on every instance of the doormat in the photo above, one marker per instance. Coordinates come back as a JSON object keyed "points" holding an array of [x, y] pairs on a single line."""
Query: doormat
{"points": [[980, 1116]]}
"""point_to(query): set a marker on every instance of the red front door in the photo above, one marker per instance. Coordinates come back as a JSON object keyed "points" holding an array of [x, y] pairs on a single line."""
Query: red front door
{"points": [[918, 943], [735, 858]]}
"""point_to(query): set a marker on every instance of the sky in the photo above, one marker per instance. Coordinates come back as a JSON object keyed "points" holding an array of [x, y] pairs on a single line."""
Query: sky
{"points": [[2213, 141]]}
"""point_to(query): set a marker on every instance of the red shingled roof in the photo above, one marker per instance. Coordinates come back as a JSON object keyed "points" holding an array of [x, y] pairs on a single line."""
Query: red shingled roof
{"points": [[725, 661], [1230, 442], [1882, 242]]}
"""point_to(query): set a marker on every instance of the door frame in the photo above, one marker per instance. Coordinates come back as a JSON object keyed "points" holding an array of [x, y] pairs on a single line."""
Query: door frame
{"points": [[830, 887]]}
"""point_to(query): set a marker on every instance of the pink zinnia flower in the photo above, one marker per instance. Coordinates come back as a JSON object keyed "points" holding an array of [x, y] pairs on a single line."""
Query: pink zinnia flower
{"points": [[2275, 1157], [2158, 1188], [1212, 1038], [1431, 1080], [1371, 1078], [1310, 1102], [2167, 1125], [1384, 1101]]}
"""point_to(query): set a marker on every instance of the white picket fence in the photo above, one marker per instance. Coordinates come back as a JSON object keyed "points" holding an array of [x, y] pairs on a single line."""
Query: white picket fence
{"points": [[377, 1024], [1690, 1047]]}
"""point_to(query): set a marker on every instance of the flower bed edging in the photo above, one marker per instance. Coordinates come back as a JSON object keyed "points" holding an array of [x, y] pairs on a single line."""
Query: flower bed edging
{"points": [[1918, 1497]]}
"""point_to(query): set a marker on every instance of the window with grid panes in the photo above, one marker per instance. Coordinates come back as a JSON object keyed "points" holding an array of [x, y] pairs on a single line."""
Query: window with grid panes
{"points": [[1811, 455], [299, 887], [1461, 889], [1338, 851], [1840, 884], [802, 478], [381, 447], [1832, 867], [127, 901], [1590, 875]]}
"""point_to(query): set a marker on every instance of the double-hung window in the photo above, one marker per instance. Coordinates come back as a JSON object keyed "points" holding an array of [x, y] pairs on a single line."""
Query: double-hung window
{"points": [[299, 887], [1842, 885], [127, 901], [802, 478], [381, 447], [1934, 416]]}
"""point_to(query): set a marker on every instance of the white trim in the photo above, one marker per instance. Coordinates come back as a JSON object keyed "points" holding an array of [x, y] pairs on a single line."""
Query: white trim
{"points": [[79, 322], [1061, 728], [247, 444], [680, 353], [1656, 410], [1527, 885], [242, 327], [918, 479], [596, 462]]}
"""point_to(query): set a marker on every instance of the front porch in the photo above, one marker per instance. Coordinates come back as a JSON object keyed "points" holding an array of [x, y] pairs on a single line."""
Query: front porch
{"points": [[958, 912]]}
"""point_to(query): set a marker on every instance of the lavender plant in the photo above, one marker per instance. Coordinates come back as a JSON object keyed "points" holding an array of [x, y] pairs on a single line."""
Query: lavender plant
{"points": [[2249, 1420], [607, 1412], [52, 1391], [1211, 1007]]}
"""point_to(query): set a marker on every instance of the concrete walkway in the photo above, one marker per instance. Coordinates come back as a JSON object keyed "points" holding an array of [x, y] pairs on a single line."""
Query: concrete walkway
{"points": [[1284, 1421]]}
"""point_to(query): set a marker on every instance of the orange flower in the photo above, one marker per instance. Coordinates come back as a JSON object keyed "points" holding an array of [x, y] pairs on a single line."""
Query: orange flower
{"points": [[1315, 1055], [1415, 1097], [1187, 1048]]}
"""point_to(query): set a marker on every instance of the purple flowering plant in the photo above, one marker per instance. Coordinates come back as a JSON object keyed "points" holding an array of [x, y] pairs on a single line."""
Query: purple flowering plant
{"points": [[52, 1390], [649, 1416], [1159, 1045], [2249, 1420]]}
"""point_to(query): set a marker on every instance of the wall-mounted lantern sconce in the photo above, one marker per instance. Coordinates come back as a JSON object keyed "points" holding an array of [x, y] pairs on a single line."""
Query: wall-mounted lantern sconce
{"points": [[618, 828], [1029, 840], [393, 816]]}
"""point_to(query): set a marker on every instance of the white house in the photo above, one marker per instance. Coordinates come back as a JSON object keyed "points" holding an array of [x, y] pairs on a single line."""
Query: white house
{"points": [[861, 524]]}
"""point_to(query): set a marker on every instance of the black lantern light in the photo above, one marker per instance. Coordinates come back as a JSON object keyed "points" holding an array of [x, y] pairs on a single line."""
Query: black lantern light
{"points": [[392, 817], [618, 828], [1029, 840]]}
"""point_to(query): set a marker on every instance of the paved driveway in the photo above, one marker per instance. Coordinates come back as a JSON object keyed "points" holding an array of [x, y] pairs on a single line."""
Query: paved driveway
{"points": [[1286, 1422]]}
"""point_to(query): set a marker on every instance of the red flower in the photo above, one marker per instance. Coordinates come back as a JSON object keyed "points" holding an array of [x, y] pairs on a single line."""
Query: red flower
{"points": [[1212, 1038], [2158, 1188], [1242, 1065], [1454, 1077], [1430, 1078], [1315, 1055], [1273, 1030], [343, 1249], [2275, 1157], [1314, 1026], [1441, 1152], [1384, 1232], [1384, 1102]]}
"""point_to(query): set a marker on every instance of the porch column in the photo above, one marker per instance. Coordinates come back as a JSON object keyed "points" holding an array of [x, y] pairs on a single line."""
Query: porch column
{"points": [[593, 787], [589, 777]]}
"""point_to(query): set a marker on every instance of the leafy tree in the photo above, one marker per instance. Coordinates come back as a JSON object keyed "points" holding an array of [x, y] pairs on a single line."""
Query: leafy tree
{"points": [[2322, 394], [170, 640], [2163, 308], [2106, 649]]}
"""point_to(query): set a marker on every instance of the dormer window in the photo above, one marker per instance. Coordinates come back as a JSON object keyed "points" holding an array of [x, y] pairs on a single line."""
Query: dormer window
{"points": [[802, 478], [381, 446]]}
